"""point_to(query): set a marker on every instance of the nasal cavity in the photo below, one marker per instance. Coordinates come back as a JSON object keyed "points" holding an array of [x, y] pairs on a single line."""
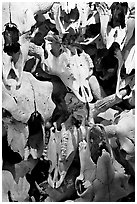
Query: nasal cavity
{"points": [[12, 75], [80, 91], [87, 91]]}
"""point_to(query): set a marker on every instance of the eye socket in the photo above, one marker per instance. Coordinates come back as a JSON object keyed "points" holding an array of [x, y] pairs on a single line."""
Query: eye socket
{"points": [[6, 113], [10, 49]]}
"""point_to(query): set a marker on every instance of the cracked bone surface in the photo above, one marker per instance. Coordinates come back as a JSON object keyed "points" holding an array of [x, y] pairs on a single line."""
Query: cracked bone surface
{"points": [[17, 21], [105, 103], [87, 167], [61, 152], [73, 70]]}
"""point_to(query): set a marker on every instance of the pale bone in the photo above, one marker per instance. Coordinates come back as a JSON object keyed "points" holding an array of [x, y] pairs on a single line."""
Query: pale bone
{"points": [[23, 14], [130, 61], [59, 25], [121, 56], [105, 15], [97, 90], [78, 109], [67, 6], [38, 53], [19, 14], [87, 169], [20, 110], [15, 62], [130, 22], [23, 17], [129, 43], [73, 70], [123, 130], [103, 104], [30, 151], [61, 163]]}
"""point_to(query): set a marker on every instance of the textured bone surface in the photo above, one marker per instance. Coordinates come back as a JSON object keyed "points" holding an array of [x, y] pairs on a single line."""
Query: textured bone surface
{"points": [[73, 70], [19, 14], [87, 167], [61, 151], [68, 101], [14, 100]]}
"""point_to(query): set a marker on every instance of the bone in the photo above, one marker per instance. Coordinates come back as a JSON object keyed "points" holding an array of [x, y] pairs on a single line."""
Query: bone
{"points": [[15, 61], [6, 69], [26, 153], [41, 7], [96, 89], [34, 153], [104, 19], [102, 105], [50, 181], [120, 64], [121, 56], [58, 183], [59, 25], [130, 26], [38, 53], [39, 189], [85, 161]]}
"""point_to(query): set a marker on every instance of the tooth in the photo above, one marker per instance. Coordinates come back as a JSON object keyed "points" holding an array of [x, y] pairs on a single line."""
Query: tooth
{"points": [[83, 131], [50, 181], [58, 183], [87, 184], [26, 153], [34, 153], [80, 177]]}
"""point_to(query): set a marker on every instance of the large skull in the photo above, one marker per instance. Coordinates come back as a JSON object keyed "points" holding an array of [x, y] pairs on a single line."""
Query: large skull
{"points": [[25, 112], [61, 152], [101, 175], [17, 21], [73, 69]]}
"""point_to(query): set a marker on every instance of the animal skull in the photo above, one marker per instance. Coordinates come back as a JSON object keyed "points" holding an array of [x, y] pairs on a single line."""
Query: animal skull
{"points": [[25, 113], [73, 69], [61, 151], [17, 21]]}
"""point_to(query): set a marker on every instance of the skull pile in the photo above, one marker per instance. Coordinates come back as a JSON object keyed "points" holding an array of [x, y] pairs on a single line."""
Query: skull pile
{"points": [[68, 92]]}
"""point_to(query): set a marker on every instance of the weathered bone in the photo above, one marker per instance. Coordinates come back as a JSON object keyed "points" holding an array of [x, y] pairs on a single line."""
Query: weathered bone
{"points": [[87, 169], [22, 19], [73, 70], [104, 14], [105, 103], [16, 62], [21, 16], [16, 21], [38, 53], [122, 56], [123, 129], [97, 90], [13, 102], [61, 153]]}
